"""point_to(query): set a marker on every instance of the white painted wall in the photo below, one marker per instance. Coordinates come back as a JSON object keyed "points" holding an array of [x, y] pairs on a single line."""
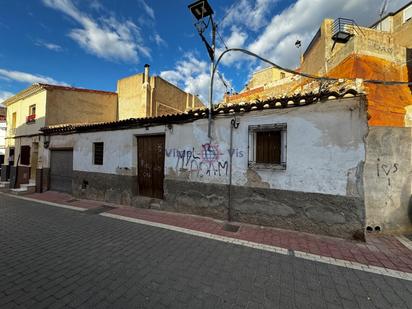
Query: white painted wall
{"points": [[120, 150], [324, 148]]}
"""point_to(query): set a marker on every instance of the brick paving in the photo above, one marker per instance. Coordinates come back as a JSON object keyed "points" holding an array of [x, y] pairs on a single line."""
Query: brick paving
{"points": [[379, 250], [57, 258]]}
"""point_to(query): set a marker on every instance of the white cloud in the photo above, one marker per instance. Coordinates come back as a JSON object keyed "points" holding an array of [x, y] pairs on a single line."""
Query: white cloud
{"points": [[51, 46], [159, 40], [236, 39], [4, 95], [193, 75], [250, 13], [96, 5], [106, 37], [274, 38], [301, 21], [149, 11], [23, 77]]}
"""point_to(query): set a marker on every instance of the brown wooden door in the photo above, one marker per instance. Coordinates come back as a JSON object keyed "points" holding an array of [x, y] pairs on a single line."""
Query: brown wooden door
{"points": [[151, 161]]}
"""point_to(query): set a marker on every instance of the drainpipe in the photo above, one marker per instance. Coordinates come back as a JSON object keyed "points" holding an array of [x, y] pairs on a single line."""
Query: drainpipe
{"points": [[234, 124]]}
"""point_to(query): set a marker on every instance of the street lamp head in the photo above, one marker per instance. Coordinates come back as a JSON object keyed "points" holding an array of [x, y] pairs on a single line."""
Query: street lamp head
{"points": [[200, 9]]}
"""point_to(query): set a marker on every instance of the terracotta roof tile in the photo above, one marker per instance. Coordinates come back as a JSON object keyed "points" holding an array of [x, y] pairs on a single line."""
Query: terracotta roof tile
{"points": [[309, 95]]}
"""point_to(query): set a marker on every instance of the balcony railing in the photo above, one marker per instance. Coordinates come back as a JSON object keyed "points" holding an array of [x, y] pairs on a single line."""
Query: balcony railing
{"points": [[31, 118], [342, 30]]}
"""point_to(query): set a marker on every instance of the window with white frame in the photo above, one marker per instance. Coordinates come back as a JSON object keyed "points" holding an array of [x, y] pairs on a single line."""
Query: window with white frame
{"points": [[267, 146]]}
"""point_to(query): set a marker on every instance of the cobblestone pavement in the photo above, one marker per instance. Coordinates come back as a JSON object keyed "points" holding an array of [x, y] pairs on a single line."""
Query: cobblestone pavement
{"points": [[57, 258]]}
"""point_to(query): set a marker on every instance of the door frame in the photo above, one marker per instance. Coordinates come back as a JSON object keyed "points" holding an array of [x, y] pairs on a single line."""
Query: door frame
{"points": [[51, 149], [152, 134]]}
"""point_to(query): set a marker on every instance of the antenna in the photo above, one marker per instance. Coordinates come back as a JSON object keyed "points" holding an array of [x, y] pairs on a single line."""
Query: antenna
{"points": [[382, 12], [383, 8]]}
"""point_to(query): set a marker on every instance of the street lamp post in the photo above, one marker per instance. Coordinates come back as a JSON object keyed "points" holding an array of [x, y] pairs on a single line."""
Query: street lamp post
{"points": [[201, 9]]}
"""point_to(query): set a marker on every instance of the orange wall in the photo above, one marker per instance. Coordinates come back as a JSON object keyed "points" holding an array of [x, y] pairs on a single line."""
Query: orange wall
{"points": [[386, 104]]}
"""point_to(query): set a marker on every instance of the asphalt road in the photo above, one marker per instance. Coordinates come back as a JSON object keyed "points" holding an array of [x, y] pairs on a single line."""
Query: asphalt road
{"points": [[58, 258]]}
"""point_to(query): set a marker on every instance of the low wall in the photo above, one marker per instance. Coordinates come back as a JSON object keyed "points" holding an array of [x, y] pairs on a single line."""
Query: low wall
{"points": [[326, 214], [3, 175], [42, 180], [105, 187]]}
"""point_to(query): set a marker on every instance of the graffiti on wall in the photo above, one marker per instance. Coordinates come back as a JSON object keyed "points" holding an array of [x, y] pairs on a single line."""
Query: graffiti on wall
{"points": [[379, 47], [209, 160], [386, 170]]}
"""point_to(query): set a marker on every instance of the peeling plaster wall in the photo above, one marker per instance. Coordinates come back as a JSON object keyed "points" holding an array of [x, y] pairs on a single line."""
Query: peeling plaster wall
{"points": [[324, 149], [321, 190], [388, 179]]}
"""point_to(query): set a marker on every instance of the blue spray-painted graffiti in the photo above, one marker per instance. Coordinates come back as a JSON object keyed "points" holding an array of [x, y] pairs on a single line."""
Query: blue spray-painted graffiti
{"points": [[209, 161]]}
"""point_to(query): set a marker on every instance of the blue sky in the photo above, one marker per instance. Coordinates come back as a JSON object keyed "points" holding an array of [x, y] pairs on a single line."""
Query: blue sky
{"points": [[91, 44]]}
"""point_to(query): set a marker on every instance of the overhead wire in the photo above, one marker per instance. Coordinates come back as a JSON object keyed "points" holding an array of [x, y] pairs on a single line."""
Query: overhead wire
{"points": [[307, 75]]}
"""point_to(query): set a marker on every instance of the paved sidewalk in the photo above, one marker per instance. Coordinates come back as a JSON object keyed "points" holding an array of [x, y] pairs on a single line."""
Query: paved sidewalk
{"points": [[53, 257], [381, 251]]}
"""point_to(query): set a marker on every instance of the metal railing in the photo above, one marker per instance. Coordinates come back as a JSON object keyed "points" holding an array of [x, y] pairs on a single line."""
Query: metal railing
{"points": [[342, 29]]}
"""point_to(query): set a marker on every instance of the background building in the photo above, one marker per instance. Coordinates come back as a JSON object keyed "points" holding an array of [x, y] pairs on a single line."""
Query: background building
{"points": [[143, 95]]}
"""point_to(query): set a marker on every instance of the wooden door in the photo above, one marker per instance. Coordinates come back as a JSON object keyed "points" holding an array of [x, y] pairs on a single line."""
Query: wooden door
{"points": [[151, 161]]}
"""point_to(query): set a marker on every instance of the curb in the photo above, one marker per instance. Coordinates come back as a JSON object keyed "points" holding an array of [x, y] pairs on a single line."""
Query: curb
{"points": [[44, 202]]}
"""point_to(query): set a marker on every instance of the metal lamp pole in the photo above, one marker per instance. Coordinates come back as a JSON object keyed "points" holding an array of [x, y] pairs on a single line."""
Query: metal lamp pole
{"points": [[200, 10], [212, 71]]}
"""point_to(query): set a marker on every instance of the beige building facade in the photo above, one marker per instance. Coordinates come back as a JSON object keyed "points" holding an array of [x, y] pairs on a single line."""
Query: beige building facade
{"points": [[142, 95], [42, 105]]}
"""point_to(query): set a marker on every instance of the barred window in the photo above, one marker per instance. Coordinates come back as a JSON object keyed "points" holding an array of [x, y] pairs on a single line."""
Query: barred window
{"points": [[98, 150]]}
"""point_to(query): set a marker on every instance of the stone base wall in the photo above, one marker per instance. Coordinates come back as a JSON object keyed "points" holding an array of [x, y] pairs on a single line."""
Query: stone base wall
{"points": [[3, 175], [42, 179], [332, 215], [19, 175], [325, 214], [111, 188]]}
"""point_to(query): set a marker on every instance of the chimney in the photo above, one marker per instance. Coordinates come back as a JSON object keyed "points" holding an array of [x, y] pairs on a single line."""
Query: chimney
{"points": [[146, 73]]}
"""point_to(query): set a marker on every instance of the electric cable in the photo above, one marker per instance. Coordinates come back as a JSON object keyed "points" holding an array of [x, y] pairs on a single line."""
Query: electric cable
{"points": [[311, 76]]}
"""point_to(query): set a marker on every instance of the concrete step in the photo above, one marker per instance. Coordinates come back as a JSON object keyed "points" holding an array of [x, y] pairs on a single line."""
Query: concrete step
{"points": [[19, 191], [28, 185], [4, 184], [26, 188]]}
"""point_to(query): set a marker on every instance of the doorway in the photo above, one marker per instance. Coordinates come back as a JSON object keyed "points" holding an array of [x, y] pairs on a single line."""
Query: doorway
{"points": [[151, 160]]}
